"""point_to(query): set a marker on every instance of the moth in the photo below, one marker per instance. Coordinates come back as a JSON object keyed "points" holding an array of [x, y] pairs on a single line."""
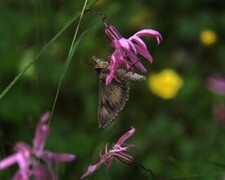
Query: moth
{"points": [[112, 98]]}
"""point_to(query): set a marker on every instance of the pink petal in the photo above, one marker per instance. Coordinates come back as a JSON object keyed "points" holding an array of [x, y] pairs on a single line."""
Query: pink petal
{"points": [[109, 79], [139, 41], [8, 161], [127, 45], [45, 117], [112, 32], [41, 134], [150, 32], [40, 173], [113, 66], [23, 161], [19, 176], [123, 138], [118, 148], [216, 84], [145, 53], [64, 157], [91, 169], [48, 157], [136, 61]]}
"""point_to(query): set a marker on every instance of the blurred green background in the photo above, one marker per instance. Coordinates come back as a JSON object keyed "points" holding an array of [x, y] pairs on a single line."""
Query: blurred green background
{"points": [[177, 137]]}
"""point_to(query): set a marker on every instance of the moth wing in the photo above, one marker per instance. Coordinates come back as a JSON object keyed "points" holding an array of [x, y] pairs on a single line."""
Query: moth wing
{"points": [[112, 99]]}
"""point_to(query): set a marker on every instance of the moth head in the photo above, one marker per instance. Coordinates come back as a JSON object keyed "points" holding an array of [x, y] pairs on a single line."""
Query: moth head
{"points": [[100, 64]]}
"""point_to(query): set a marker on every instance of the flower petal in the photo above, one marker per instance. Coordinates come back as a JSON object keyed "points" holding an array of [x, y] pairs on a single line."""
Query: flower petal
{"points": [[8, 161], [150, 32], [138, 40], [40, 173], [124, 137], [115, 60], [92, 168], [112, 32], [127, 45], [127, 50], [136, 61], [63, 157], [45, 117], [145, 53], [118, 148], [19, 176], [41, 134], [216, 84]]}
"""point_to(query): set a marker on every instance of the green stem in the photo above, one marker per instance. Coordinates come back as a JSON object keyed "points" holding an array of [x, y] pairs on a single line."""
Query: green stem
{"points": [[197, 176], [69, 57]]}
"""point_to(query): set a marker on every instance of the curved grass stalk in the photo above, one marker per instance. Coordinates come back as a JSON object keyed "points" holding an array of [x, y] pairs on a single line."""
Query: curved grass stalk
{"points": [[36, 57], [67, 24], [73, 47]]}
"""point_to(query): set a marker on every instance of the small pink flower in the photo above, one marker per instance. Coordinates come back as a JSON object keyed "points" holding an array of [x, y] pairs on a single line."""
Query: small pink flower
{"points": [[28, 158], [22, 158], [127, 50], [118, 153], [216, 84], [41, 134]]}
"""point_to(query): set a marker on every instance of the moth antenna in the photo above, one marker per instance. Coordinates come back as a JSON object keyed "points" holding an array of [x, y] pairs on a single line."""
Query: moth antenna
{"points": [[130, 69], [136, 62], [89, 62], [103, 15]]}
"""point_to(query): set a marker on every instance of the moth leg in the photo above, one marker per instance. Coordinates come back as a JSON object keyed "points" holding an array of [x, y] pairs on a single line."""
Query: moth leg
{"points": [[102, 76]]}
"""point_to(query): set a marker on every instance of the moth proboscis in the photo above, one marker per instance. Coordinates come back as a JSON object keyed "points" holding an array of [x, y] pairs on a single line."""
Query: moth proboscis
{"points": [[112, 98]]}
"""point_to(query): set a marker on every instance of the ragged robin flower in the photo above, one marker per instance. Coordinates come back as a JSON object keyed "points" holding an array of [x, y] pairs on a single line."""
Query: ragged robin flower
{"points": [[216, 84], [28, 157], [127, 50], [118, 153]]}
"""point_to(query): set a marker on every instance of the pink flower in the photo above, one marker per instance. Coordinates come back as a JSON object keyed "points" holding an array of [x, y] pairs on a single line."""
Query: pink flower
{"points": [[22, 158], [118, 153], [127, 50], [216, 83], [28, 158]]}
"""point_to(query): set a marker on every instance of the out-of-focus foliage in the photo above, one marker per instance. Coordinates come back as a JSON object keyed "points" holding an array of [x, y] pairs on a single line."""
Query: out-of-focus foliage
{"points": [[177, 137]]}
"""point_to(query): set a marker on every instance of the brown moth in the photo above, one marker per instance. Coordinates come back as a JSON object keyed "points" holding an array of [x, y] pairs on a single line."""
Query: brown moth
{"points": [[112, 98]]}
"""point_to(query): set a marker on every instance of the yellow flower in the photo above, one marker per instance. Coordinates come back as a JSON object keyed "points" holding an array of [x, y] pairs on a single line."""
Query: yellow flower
{"points": [[208, 37], [165, 84]]}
